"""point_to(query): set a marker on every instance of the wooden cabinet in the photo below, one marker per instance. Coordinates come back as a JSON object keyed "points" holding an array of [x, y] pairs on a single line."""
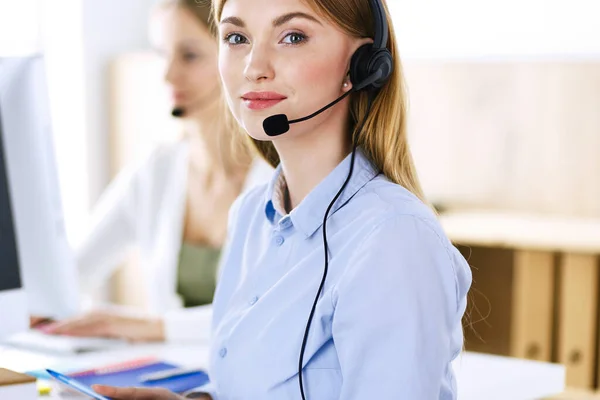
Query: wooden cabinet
{"points": [[511, 310], [536, 279], [577, 317]]}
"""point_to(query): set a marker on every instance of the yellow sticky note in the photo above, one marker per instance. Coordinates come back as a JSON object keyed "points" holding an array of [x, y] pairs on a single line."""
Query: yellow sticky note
{"points": [[44, 388]]}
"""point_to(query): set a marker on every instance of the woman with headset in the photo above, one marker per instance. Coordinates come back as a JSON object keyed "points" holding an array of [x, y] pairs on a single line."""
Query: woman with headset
{"points": [[173, 205], [338, 281]]}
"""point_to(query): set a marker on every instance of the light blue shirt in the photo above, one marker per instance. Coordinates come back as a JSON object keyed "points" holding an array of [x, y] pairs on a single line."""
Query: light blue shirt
{"points": [[388, 322]]}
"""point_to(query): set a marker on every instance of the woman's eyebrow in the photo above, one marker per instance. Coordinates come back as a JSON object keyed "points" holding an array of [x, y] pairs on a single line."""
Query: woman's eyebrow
{"points": [[189, 43], [290, 16], [234, 21], [277, 22]]}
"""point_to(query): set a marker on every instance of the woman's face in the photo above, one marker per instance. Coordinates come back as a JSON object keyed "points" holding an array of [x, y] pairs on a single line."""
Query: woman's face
{"points": [[191, 55], [280, 57]]}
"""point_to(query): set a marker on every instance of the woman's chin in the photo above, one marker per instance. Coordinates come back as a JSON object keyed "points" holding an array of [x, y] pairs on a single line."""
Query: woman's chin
{"points": [[259, 135], [255, 130]]}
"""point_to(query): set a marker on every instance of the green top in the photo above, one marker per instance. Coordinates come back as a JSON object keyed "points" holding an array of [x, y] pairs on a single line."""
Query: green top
{"points": [[197, 274]]}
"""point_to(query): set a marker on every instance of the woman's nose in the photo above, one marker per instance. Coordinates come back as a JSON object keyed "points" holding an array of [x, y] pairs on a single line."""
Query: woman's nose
{"points": [[171, 72], [259, 66]]}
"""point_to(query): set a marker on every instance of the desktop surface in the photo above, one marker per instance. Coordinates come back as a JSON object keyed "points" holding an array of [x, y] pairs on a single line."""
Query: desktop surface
{"points": [[479, 376], [61, 345]]}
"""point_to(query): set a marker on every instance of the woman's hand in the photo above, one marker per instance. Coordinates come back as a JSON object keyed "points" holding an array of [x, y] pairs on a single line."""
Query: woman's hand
{"points": [[136, 393], [110, 325], [37, 321]]}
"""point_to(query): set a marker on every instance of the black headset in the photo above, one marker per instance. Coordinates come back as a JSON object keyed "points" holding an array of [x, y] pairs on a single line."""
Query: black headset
{"points": [[370, 68], [372, 64]]}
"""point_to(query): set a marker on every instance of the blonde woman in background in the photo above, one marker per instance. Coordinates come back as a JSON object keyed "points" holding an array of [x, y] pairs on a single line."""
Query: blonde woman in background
{"points": [[173, 206]]}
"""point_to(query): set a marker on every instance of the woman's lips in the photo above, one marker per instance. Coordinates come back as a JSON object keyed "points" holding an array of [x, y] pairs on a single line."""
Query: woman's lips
{"points": [[178, 97], [260, 104], [262, 100]]}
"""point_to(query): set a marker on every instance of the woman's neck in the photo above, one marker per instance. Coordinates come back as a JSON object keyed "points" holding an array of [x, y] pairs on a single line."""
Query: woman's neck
{"points": [[210, 151], [203, 136], [308, 159]]}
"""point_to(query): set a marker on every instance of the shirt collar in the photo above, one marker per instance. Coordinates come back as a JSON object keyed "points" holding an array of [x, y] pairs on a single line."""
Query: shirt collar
{"points": [[308, 215]]}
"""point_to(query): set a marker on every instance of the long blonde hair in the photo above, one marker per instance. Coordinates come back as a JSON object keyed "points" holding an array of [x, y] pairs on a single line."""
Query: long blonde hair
{"points": [[201, 9], [232, 151], [384, 137]]}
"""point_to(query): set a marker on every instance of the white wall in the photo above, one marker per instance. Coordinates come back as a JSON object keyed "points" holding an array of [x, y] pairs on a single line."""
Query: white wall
{"points": [[19, 27], [53, 28], [63, 47], [497, 29], [110, 27]]}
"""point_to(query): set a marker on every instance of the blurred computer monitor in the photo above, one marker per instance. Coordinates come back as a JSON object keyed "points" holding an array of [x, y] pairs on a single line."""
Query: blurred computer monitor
{"points": [[47, 266], [13, 306]]}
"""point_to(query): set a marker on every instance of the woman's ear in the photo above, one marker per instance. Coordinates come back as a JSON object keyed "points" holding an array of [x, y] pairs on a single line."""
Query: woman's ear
{"points": [[356, 44], [346, 84]]}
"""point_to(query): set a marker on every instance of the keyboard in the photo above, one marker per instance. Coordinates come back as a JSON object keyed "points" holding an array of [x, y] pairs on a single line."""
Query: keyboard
{"points": [[36, 340]]}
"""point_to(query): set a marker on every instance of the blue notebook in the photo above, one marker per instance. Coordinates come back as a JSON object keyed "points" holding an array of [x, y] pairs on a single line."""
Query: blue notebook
{"points": [[130, 374]]}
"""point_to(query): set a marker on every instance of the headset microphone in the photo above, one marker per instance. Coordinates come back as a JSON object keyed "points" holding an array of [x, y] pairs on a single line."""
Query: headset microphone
{"points": [[279, 124], [178, 112]]}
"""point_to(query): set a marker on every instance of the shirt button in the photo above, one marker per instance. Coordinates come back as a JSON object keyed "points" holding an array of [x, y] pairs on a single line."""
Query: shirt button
{"points": [[253, 300], [279, 240], [223, 352], [285, 222]]}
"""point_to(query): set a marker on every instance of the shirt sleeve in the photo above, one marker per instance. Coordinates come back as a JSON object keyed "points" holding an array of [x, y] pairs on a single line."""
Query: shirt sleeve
{"points": [[397, 324], [112, 231]]}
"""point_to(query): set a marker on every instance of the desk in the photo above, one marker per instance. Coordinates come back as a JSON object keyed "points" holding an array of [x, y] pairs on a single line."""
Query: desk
{"points": [[523, 231], [480, 376]]}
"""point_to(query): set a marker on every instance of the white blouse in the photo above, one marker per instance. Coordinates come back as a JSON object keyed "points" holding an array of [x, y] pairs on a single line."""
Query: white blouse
{"points": [[144, 207]]}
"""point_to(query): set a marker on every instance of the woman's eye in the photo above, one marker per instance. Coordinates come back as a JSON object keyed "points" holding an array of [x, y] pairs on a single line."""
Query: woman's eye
{"points": [[294, 38], [235, 39], [160, 53], [190, 56]]}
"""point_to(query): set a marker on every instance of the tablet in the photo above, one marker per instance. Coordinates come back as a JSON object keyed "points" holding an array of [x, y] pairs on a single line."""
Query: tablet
{"points": [[73, 384]]}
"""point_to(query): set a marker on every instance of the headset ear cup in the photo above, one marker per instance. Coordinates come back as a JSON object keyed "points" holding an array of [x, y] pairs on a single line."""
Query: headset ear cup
{"points": [[367, 61], [359, 64], [381, 60]]}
